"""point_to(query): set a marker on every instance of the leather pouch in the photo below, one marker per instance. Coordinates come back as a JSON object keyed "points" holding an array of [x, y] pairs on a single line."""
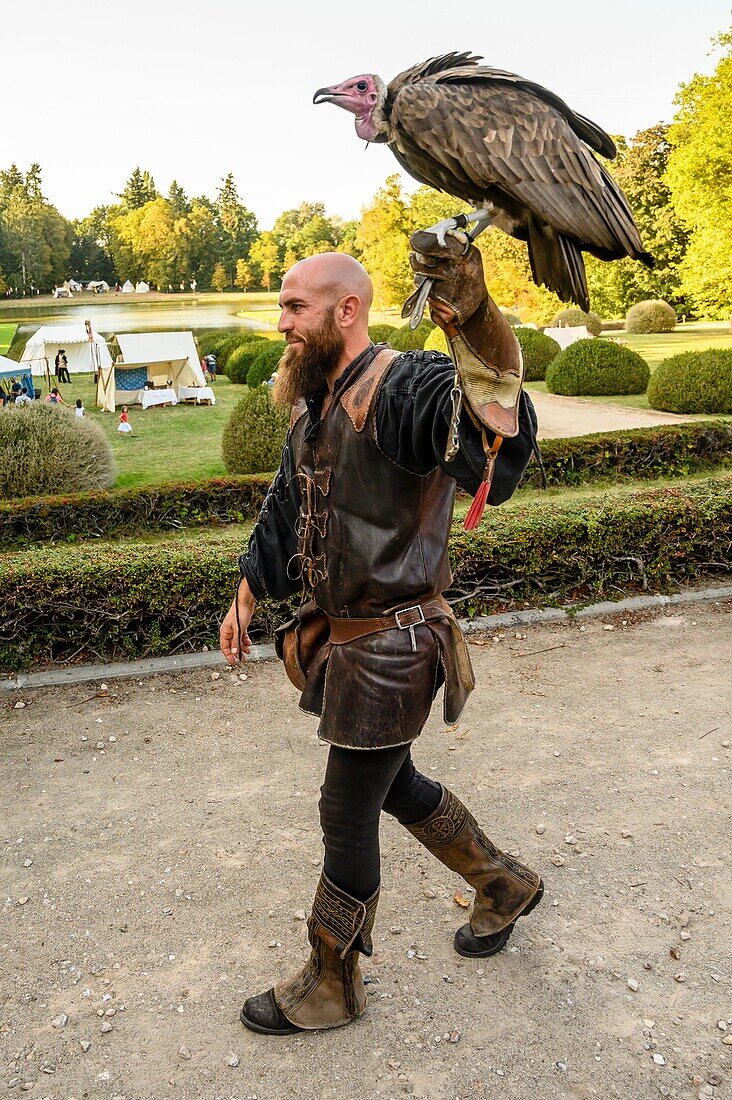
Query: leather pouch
{"points": [[298, 641]]}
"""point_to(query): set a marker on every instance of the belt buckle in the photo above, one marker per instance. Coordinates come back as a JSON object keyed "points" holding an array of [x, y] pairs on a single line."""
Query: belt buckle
{"points": [[410, 626]]}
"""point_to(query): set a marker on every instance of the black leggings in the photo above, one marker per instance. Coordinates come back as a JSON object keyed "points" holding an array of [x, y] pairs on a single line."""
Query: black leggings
{"points": [[358, 785]]}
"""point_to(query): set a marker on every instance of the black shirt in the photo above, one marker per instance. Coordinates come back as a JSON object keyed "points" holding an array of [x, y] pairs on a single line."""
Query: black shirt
{"points": [[412, 420]]}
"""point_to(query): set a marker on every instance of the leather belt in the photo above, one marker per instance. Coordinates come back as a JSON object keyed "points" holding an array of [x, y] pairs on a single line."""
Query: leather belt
{"points": [[344, 630]]}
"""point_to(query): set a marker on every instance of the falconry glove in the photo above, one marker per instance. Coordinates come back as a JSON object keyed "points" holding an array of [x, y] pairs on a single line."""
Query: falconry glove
{"points": [[487, 357]]}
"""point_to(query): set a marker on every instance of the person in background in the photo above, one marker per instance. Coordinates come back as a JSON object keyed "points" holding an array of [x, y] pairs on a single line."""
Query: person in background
{"points": [[62, 366], [79, 410], [124, 425], [23, 398], [55, 398], [211, 363], [15, 387]]}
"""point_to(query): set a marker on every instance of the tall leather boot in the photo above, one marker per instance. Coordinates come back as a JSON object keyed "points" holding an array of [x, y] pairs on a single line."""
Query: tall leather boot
{"points": [[329, 990], [504, 889]]}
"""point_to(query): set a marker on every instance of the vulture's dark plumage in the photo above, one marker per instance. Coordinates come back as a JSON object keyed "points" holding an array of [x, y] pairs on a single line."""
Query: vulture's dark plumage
{"points": [[499, 141]]}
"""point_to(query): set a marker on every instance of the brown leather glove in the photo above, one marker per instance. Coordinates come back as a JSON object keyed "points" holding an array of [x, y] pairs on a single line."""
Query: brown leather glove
{"points": [[457, 271]]}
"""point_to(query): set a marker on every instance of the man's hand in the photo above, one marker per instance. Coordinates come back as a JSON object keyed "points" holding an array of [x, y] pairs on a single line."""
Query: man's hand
{"points": [[457, 271], [233, 646]]}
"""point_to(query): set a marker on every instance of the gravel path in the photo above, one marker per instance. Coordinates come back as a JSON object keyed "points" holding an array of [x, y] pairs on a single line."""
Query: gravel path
{"points": [[566, 416], [161, 842]]}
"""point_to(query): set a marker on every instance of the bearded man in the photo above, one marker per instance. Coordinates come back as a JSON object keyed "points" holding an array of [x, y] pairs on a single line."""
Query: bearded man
{"points": [[360, 513]]}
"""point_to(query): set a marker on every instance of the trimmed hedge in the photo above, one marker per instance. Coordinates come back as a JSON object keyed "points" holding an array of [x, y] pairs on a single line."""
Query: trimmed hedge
{"points": [[693, 382], [255, 433], [538, 351], [45, 449], [407, 339], [597, 367], [241, 359], [670, 450], [265, 364], [61, 604], [574, 316], [382, 334], [655, 315]]}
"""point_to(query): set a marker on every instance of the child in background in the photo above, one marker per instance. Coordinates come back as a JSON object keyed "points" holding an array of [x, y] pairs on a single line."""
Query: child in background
{"points": [[79, 410], [124, 423]]}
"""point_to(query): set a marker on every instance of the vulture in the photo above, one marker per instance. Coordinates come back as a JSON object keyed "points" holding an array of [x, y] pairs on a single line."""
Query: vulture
{"points": [[513, 150]]}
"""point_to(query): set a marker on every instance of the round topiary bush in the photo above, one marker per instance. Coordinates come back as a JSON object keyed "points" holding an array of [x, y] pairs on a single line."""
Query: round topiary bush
{"points": [[241, 359], [255, 433], [210, 341], [45, 449], [407, 339], [693, 382], [574, 316], [237, 340], [437, 341], [265, 363], [651, 316], [538, 351], [597, 367], [512, 318], [382, 334]]}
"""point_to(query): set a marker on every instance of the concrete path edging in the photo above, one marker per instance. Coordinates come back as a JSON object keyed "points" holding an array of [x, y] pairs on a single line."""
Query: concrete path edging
{"points": [[150, 666]]}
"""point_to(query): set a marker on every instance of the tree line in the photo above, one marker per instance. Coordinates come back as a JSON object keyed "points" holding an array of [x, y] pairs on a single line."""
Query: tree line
{"points": [[678, 179]]}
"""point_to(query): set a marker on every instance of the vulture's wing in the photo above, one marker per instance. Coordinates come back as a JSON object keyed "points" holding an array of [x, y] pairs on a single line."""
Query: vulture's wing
{"points": [[473, 132]]}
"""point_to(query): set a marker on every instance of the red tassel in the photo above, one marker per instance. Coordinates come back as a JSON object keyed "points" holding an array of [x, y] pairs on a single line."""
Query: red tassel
{"points": [[477, 508]]}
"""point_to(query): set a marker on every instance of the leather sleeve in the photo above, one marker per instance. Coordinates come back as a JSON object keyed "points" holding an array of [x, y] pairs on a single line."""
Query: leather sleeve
{"points": [[412, 419], [273, 540]]}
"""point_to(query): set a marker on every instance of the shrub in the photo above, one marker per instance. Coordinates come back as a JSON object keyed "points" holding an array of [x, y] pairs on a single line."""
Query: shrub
{"points": [[240, 361], [407, 339], [651, 316], [693, 382], [45, 449], [574, 316], [170, 596], [512, 318], [538, 351], [232, 342], [670, 450], [265, 365], [211, 340], [595, 367], [382, 334], [437, 341], [255, 433]]}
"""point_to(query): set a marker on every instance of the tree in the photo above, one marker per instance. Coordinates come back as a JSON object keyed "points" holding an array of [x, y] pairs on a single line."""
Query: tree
{"points": [[383, 239], [178, 200], [91, 256], [244, 275], [237, 226], [139, 189], [35, 240], [699, 176], [266, 255], [219, 279]]}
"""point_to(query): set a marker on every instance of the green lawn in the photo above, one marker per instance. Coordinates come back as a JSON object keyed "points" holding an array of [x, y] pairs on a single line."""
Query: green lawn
{"points": [[7, 332], [168, 444]]}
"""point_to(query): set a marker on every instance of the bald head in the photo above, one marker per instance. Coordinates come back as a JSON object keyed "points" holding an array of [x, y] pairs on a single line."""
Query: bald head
{"points": [[329, 277]]}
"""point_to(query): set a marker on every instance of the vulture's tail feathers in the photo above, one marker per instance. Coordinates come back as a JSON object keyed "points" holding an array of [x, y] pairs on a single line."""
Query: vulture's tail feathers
{"points": [[557, 263]]}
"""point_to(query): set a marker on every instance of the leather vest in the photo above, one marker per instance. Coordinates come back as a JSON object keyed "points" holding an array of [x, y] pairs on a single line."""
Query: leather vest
{"points": [[372, 536]]}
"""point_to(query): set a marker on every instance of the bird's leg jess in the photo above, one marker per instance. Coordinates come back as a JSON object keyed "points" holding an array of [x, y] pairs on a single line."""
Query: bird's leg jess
{"points": [[416, 304]]}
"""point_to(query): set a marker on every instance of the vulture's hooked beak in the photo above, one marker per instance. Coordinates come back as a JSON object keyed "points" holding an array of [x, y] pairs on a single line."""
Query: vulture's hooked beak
{"points": [[326, 95]]}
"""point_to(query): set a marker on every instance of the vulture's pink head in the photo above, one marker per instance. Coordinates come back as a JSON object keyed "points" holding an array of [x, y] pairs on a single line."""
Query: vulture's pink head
{"points": [[364, 96]]}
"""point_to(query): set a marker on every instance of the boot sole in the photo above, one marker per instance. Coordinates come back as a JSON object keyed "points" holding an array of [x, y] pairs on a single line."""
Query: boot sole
{"points": [[266, 1030], [508, 930]]}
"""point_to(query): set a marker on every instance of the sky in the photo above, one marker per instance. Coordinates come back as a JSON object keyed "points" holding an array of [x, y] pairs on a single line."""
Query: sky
{"points": [[193, 90]]}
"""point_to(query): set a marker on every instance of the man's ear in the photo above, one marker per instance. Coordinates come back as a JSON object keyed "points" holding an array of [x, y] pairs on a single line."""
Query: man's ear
{"points": [[349, 309]]}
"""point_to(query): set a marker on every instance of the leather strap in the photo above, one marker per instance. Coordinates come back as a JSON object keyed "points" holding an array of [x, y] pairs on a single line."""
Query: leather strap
{"points": [[343, 631], [358, 398]]}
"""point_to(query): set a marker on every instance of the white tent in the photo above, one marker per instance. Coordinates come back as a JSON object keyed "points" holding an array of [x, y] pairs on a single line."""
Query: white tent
{"points": [[156, 357], [568, 335], [83, 355], [128, 288], [142, 288]]}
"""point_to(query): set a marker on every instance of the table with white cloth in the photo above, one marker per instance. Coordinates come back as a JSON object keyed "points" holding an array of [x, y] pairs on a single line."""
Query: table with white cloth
{"points": [[158, 397], [199, 394], [568, 335]]}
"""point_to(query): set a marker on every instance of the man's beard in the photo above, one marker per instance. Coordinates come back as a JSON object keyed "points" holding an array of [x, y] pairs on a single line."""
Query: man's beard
{"points": [[304, 370]]}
